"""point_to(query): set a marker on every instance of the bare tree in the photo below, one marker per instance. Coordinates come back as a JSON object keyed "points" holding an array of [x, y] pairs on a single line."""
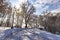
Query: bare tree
{"points": [[27, 10], [5, 8], [48, 21], [9, 15]]}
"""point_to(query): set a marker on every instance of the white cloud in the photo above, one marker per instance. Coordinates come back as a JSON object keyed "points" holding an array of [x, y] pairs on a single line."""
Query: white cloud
{"points": [[56, 10], [17, 5], [22, 1], [46, 7], [37, 5], [41, 3], [19, 2], [47, 1]]}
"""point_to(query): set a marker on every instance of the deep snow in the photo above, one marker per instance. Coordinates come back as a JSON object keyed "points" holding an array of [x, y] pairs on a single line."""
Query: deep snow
{"points": [[27, 34]]}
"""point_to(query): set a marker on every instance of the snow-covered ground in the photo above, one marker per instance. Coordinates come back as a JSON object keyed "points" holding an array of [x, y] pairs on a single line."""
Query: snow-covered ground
{"points": [[4, 28], [27, 34]]}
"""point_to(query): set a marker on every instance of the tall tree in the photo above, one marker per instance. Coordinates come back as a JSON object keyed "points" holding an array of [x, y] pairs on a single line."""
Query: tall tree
{"points": [[17, 14], [27, 10], [5, 8], [9, 11]]}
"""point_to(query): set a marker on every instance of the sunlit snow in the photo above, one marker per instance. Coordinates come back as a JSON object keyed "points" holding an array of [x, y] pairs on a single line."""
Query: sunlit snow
{"points": [[27, 34]]}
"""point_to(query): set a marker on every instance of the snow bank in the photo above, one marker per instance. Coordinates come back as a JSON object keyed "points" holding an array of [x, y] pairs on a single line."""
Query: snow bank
{"points": [[27, 34]]}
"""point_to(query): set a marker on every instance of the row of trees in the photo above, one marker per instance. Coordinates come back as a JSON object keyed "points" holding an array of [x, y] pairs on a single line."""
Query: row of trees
{"points": [[50, 21], [8, 14]]}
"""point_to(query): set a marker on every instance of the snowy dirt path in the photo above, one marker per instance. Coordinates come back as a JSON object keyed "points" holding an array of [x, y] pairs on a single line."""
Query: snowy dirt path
{"points": [[27, 34]]}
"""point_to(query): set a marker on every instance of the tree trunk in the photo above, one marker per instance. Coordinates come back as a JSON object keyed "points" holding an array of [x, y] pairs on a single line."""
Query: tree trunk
{"points": [[8, 20], [21, 23], [17, 21], [12, 27], [25, 25], [12, 20]]}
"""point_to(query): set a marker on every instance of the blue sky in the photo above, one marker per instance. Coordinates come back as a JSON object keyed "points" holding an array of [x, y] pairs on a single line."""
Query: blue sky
{"points": [[40, 5]]}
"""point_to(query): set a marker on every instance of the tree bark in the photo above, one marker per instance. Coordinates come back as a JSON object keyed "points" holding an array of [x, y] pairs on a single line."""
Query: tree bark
{"points": [[26, 25], [12, 21]]}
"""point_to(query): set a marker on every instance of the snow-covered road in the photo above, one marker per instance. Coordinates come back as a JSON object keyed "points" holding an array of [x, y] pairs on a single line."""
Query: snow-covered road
{"points": [[27, 34]]}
